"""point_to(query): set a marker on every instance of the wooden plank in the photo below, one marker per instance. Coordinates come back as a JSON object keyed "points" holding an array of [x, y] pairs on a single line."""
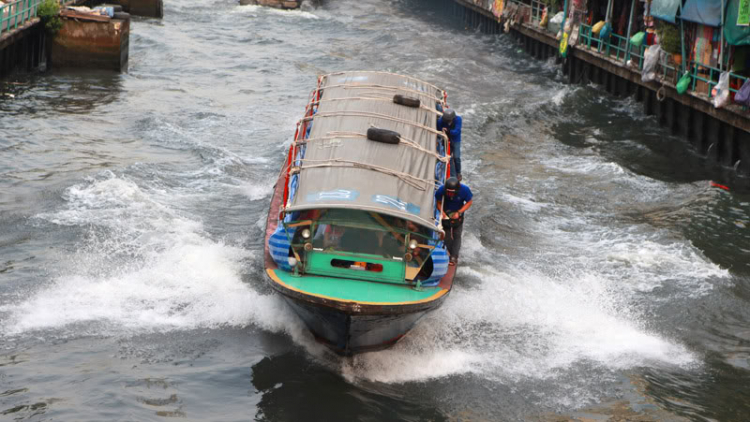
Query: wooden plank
{"points": [[74, 14]]}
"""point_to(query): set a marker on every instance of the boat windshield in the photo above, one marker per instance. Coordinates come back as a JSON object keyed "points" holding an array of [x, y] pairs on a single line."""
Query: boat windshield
{"points": [[364, 233]]}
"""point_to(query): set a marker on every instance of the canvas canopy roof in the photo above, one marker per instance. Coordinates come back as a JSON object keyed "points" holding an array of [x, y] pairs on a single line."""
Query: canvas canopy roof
{"points": [[343, 169], [706, 12], [665, 9]]}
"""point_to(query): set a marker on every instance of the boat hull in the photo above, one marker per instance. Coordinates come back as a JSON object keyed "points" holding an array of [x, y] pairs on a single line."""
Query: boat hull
{"points": [[347, 324], [347, 333]]}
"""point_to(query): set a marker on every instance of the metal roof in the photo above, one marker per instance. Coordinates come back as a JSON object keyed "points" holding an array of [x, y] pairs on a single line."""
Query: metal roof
{"points": [[343, 169]]}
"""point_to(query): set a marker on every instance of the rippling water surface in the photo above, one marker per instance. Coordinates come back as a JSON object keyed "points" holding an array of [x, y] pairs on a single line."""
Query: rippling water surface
{"points": [[601, 275]]}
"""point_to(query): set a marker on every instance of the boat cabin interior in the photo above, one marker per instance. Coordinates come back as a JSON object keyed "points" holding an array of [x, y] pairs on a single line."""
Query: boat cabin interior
{"points": [[360, 245]]}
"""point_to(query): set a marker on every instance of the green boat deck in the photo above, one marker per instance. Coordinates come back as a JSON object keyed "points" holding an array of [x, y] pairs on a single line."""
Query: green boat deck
{"points": [[350, 290]]}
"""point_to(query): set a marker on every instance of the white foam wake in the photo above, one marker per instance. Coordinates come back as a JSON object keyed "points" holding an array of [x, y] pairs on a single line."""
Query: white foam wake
{"points": [[520, 325], [141, 267]]}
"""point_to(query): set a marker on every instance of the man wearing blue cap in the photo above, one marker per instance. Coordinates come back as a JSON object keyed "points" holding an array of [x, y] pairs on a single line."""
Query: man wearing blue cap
{"points": [[454, 199], [450, 123]]}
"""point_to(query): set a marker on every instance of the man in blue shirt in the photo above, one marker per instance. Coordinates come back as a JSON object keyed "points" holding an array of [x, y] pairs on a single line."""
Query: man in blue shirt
{"points": [[450, 124], [453, 198]]}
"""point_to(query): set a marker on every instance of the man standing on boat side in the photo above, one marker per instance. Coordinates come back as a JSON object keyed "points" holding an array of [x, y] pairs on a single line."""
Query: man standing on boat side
{"points": [[450, 124], [453, 198]]}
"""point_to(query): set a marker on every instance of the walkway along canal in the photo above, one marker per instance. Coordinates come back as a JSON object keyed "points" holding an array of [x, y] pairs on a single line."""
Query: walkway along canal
{"points": [[613, 61]]}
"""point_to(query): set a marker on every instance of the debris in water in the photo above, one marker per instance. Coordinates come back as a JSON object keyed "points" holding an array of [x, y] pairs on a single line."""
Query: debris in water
{"points": [[716, 185]]}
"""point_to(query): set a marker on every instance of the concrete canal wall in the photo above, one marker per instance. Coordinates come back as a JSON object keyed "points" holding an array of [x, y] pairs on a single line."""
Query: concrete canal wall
{"points": [[92, 44], [722, 134], [89, 41]]}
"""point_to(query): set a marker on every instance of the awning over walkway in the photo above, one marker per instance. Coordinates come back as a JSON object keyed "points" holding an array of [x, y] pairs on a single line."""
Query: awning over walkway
{"points": [[706, 12], [665, 9]]}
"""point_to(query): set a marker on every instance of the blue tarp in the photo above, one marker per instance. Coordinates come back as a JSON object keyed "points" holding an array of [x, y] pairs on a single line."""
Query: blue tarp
{"points": [[665, 9], [707, 12]]}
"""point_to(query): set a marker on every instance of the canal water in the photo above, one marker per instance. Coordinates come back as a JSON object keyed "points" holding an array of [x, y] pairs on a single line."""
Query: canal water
{"points": [[601, 274]]}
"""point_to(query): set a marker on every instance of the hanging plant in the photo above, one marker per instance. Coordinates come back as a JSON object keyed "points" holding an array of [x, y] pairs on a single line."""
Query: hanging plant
{"points": [[49, 12], [669, 38]]}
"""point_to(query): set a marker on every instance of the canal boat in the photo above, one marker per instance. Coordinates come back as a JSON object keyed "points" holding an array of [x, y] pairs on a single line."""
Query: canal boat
{"points": [[354, 238]]}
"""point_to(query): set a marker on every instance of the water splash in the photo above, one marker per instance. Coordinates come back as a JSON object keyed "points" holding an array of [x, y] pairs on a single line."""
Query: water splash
{"points": [[142, 267]]}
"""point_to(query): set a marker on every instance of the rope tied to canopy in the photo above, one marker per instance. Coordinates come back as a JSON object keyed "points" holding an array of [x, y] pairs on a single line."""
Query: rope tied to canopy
{"points": [[378, 116], [351, 135], [386, 73], [372, 98], [413, 181], [380, 87]]}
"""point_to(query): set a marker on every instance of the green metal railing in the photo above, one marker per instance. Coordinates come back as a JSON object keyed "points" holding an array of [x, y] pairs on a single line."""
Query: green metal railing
{"points": [[16, 13], [619, 49], [537, 7], [710, 75]]}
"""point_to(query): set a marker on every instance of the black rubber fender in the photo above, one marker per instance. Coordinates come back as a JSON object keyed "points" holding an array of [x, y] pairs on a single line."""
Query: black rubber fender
{"points": [[121, 15], [383, 135], [406, 101]]}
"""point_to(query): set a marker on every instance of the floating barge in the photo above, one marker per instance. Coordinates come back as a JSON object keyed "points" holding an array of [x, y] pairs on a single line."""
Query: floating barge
{"points": [[353, 237]]}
